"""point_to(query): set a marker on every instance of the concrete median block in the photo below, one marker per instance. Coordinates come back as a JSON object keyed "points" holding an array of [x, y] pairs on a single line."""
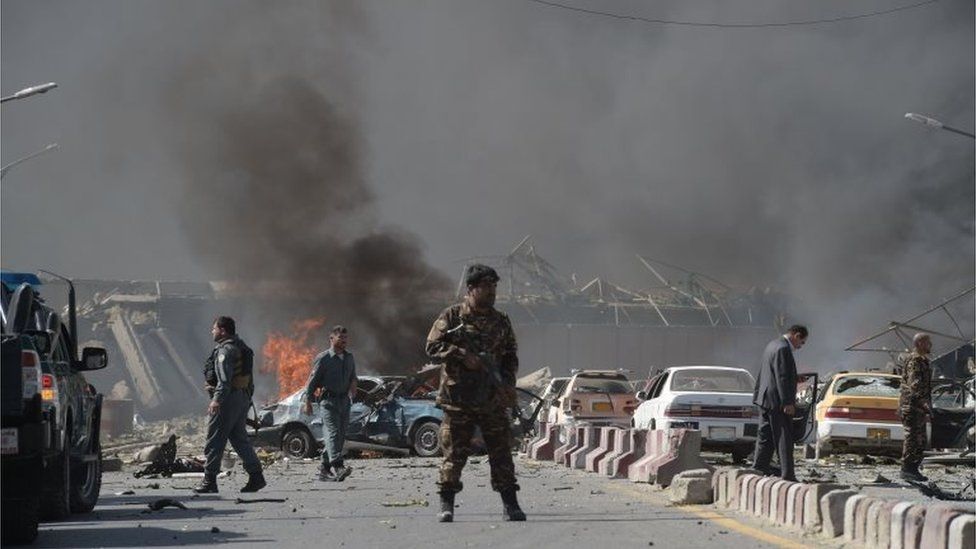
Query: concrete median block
{"points": [[747, 493], [589, 438], [621, 444], [571, 438], [794, 502], [764, 492], [962, 532], [718, 478], [883, 528], [691, 487], [897, 532], [732, 485], [774, 499], [634, 450], [604, 446], [655, 445], [812, 510], [914, 524], [780, 502], [545, 447], [935, 530], [832, 511], [850, 515], [871, 523]]}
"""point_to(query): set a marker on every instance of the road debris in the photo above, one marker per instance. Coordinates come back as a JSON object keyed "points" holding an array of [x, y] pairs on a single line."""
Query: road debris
{"points": [[240, 501], [406, 503], [126, 493], [214, 530], [163, 503]]}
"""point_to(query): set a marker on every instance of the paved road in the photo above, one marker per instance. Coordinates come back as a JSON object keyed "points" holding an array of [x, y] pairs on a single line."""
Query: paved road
{"points": [[565, 508]]}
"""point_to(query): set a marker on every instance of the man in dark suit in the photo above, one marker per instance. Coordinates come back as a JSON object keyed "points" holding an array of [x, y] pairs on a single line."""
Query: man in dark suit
{"points": [[775, 394]]}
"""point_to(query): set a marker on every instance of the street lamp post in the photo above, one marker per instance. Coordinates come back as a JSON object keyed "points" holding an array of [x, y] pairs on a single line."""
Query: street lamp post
{"points": [[27, 92], [3, 170], [933, 123]]}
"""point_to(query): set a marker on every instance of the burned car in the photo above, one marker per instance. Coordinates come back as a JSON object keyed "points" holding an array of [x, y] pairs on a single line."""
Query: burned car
{"points": [[389, 413], [381, 417]]}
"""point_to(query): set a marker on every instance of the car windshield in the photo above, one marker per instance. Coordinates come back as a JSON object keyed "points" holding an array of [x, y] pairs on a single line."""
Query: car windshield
{"points": [[601, 385], [711, 380], [875, 386]]}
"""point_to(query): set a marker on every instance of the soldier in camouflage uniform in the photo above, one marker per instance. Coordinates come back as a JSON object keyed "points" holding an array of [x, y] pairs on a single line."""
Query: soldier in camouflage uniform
{"points": [[476, 345], [915, 405]]}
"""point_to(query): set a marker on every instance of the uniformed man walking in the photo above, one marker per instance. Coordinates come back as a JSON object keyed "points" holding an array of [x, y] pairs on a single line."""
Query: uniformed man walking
{"points": [[476, 345], [233, 386], [915, 405], [333, 371]]}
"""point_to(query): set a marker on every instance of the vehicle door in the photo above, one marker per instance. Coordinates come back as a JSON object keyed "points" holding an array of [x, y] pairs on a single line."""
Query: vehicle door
{"points": [[952, 415], [807, 391], [652, 409], [70, 392], [525, 412]]}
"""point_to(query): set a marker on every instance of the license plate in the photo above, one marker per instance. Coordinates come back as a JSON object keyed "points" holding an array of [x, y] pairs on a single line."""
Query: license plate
{"points": [[602, 407], [721, 433], [8, 441], [879, 434]]}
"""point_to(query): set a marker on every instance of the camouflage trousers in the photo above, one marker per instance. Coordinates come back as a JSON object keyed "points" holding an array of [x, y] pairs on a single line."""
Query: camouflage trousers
{"points": [[915, 440], [456, 431]]}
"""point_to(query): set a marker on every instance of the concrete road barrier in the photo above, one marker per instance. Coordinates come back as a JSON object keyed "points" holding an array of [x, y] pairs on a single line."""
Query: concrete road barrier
{"points": [[559, 455], [621, 444], [545, 447], [655, 444], [634, 447], [604, 446], [962, 532], [590, 439]]}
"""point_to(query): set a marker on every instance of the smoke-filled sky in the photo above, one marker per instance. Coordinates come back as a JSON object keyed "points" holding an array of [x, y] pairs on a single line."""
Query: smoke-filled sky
{"points": [[444, 129]]}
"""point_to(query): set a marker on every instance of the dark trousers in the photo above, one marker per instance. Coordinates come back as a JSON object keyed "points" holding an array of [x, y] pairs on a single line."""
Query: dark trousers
{"points": [[229, 425], [775, 432], [913, 447], [335, 421], [456, 432]]}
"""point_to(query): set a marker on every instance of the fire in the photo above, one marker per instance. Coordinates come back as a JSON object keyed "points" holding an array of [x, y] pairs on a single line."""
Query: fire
{"points": [[289, 356]]}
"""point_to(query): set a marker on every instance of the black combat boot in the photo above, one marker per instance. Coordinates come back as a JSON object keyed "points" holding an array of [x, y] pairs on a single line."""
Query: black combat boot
{"points": [[341, 472], [447, 507], [207, 486], [512, 510], [911, 473], [254, 482]]}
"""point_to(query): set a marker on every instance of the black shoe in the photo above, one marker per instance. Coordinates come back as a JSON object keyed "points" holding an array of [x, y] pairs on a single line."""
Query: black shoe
{"points": [[513, 512], [447, 507], [342, 472], [912, 474], [207, 486], [254, 483], [326, 474]]}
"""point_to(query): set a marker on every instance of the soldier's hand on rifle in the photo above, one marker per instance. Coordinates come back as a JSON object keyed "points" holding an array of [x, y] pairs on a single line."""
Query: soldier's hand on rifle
{"points": [[307, 408], [213, 408]]}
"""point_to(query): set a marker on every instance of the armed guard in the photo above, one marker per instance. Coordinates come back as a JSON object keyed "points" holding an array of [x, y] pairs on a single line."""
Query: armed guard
{"points": [[229, 378], [914, 405], [476, 346]]}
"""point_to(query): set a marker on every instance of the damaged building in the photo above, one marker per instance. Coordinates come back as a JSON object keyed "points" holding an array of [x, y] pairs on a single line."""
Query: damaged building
{"points": [[158, 338]]}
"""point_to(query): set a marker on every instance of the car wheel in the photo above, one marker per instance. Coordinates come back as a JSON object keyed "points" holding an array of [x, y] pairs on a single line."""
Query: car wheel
{"points": [[297, 443], [86, 482], [427, 439], [56, 501]]}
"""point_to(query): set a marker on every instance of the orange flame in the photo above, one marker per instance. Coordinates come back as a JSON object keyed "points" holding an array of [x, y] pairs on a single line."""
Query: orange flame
{"points": [[290, 356]]}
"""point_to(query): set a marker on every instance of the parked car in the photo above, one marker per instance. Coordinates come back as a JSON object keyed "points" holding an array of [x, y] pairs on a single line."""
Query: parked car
{"points": [[953, 415], [857, 412], [70, 447], [598, 397], [550, 393], [715, 400]]}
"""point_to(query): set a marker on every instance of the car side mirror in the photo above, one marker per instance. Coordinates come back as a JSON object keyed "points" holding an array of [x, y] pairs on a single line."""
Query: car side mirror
{"points": [[93, 358], [641, 395]]}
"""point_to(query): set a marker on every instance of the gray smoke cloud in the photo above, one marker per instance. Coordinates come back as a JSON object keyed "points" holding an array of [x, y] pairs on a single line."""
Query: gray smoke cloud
{"points": [[762, 157]]}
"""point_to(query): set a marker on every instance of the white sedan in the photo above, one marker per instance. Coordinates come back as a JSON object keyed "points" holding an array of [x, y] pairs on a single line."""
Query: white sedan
{"points": [[715, 400]]}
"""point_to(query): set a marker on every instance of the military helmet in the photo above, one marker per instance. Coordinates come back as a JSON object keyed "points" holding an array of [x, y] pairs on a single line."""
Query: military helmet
{"points": [[478, 273]]}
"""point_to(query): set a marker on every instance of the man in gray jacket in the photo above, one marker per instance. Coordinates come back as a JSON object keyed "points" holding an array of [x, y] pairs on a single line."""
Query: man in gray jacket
{"points": [[334, 372], [233, 363], [775, 394]]}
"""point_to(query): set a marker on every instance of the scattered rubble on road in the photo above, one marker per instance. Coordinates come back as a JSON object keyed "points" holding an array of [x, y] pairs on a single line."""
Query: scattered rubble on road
{"points": [[159, 504]]}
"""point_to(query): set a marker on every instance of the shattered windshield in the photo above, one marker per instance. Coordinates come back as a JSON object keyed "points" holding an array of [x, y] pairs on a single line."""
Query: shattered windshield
{"points": [[875, 386], [601, 385], [711, 380]]}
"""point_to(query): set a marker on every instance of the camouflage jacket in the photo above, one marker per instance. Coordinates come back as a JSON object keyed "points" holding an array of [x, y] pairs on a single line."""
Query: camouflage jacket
{"points": [[459, 330], [916, 383]]}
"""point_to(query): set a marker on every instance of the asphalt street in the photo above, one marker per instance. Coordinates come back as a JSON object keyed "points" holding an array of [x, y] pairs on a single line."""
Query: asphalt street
{"points": [[392, 503]]}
